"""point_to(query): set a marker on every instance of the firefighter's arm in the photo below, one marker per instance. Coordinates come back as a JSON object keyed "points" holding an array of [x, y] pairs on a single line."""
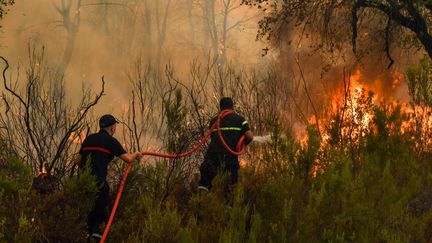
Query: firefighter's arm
{"points": [[129, 158], [248, 137]]}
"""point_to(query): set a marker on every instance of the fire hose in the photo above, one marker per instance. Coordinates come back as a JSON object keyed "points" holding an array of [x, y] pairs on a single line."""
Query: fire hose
{"points": [[240, 148]]}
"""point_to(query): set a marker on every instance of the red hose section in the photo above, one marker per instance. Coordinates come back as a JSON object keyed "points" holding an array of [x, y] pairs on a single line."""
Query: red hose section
{"points": [[240, 148], [240, 145]]}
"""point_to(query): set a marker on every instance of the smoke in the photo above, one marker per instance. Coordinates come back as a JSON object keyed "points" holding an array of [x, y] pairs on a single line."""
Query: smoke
{"points": [[319, 61], [262, 139], [107, 37]]}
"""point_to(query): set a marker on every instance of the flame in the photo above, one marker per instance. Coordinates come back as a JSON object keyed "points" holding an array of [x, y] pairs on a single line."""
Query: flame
{"points": [[352, 103], [398, 77], [221, 47], [420, 121], [350, 108], [243, 162], [125, 108], [77, 138]]}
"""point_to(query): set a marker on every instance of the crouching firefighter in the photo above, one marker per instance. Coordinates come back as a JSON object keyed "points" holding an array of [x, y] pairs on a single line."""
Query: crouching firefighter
{"points": [[233, 126], [100, 149]]}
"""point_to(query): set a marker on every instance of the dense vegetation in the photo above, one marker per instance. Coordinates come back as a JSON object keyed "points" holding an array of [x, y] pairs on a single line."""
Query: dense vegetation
{"points": [[350, 182]]}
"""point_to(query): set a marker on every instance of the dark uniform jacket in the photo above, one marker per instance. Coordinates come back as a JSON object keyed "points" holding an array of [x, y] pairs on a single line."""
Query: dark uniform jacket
{"points": [[232, 126], [100, 148]]}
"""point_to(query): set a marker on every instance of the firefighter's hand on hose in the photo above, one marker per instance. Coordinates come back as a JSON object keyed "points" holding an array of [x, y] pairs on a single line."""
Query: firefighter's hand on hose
{"points": [[129, 158], [138, 156], [126, 157]]}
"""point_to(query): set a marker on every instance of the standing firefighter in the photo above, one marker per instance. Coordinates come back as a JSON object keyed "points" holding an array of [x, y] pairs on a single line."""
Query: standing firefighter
{"points": [[232, 127], [100, 149]]}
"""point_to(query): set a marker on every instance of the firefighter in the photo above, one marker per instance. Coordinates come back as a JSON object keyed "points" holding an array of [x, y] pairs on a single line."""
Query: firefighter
{"points": [[99, 149], [232, 126]]}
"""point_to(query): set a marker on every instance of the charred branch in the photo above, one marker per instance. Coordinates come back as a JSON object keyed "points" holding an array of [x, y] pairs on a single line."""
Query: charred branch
{"points": [[26, 105], [77, 121], [388, 43], [40, 124], [406, 15], [354, 22]]}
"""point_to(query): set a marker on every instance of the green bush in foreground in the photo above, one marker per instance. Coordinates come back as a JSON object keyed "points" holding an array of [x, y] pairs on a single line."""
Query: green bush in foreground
{"points": [[377, 190], [26, 216]]}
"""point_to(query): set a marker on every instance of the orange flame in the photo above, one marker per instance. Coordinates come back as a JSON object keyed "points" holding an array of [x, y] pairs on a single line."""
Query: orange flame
{"points": [[77, 138], [351, 101]]}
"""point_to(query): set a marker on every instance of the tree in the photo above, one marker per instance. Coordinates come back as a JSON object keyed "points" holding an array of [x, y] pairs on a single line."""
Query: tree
{"points": [[71, 22], [117, 21], [216, 17], [40, 124], [3, 5], [333, 19], [145, 22]]}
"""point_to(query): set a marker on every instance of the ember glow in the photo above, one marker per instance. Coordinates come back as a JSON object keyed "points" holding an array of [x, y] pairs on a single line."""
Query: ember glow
{"points": [[351, 108], [76, 138], [350, 115]]}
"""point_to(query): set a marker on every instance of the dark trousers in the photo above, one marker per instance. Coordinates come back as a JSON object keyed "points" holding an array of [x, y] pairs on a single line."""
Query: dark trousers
{"points": [[213, 162], [99, 214]]}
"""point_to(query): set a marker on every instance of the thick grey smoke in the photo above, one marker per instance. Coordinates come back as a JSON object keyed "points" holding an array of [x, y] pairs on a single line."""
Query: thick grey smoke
{"points": [[84, 40], [88, 39]]}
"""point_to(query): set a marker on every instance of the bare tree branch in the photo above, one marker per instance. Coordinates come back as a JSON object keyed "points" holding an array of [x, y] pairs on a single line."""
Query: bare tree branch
{"points": [[78, 119], [388, 42]]}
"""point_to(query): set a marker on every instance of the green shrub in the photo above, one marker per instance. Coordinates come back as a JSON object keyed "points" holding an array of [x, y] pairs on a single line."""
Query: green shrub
{"points": [[16, 216], [374, 188], [62, 215]]}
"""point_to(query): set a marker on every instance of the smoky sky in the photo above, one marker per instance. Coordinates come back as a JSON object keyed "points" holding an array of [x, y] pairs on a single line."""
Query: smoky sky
{"points": [[107, 37]]}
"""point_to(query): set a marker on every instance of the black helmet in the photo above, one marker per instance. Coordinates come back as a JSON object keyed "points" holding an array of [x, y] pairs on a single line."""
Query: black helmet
{"points": [[226, 103], [107, 121]]}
